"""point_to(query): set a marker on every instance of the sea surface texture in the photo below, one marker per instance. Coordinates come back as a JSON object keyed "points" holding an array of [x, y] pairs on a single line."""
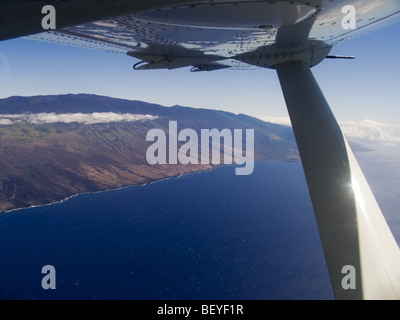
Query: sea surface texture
{"points": [[210, 235]]}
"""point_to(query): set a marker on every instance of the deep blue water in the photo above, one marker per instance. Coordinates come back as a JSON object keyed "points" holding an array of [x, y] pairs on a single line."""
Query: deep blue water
{"points": [[210, 235]]}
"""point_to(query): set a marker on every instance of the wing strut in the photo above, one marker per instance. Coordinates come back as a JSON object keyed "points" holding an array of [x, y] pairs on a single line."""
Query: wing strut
{"points": [[362, 255]]}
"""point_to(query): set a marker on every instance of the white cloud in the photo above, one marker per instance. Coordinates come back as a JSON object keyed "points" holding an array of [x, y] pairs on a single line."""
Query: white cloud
{"points": [[86, 118], [5, 122], [371, 130], [277, 120], [356, 130]]}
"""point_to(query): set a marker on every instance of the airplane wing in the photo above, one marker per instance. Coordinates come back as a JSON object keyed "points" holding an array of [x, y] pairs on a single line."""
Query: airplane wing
{"points": [[207, 35], [290, 36]]}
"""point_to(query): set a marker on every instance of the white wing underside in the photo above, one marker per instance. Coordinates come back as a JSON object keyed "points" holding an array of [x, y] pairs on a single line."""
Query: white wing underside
{"points": [[238, 34]]}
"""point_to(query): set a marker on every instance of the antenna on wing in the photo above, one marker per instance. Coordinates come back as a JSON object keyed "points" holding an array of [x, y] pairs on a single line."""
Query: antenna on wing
{"points": [[341, 57]]}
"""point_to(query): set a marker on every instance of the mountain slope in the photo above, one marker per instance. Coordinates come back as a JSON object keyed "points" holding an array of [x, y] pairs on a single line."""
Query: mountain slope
{"points": [[47, 156]]}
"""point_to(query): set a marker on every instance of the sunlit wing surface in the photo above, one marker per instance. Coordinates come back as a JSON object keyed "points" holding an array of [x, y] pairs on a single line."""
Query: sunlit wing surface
{"points": [[208, 34], [289, 36]]}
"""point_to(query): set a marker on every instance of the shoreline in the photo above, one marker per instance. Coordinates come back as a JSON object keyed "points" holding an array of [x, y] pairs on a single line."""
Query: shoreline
{"points": [[137, 185], [107, 190]]}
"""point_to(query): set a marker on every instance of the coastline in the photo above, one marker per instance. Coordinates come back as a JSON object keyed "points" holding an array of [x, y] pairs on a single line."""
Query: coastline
{"points": [[178, 176], [110, 190]]}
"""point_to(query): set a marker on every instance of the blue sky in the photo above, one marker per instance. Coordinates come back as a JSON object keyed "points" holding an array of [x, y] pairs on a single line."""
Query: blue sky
{"points": [[366, 88]]}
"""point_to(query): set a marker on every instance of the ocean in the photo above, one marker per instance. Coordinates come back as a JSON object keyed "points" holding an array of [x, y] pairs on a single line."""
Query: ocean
{"points": [[210, 235]]}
